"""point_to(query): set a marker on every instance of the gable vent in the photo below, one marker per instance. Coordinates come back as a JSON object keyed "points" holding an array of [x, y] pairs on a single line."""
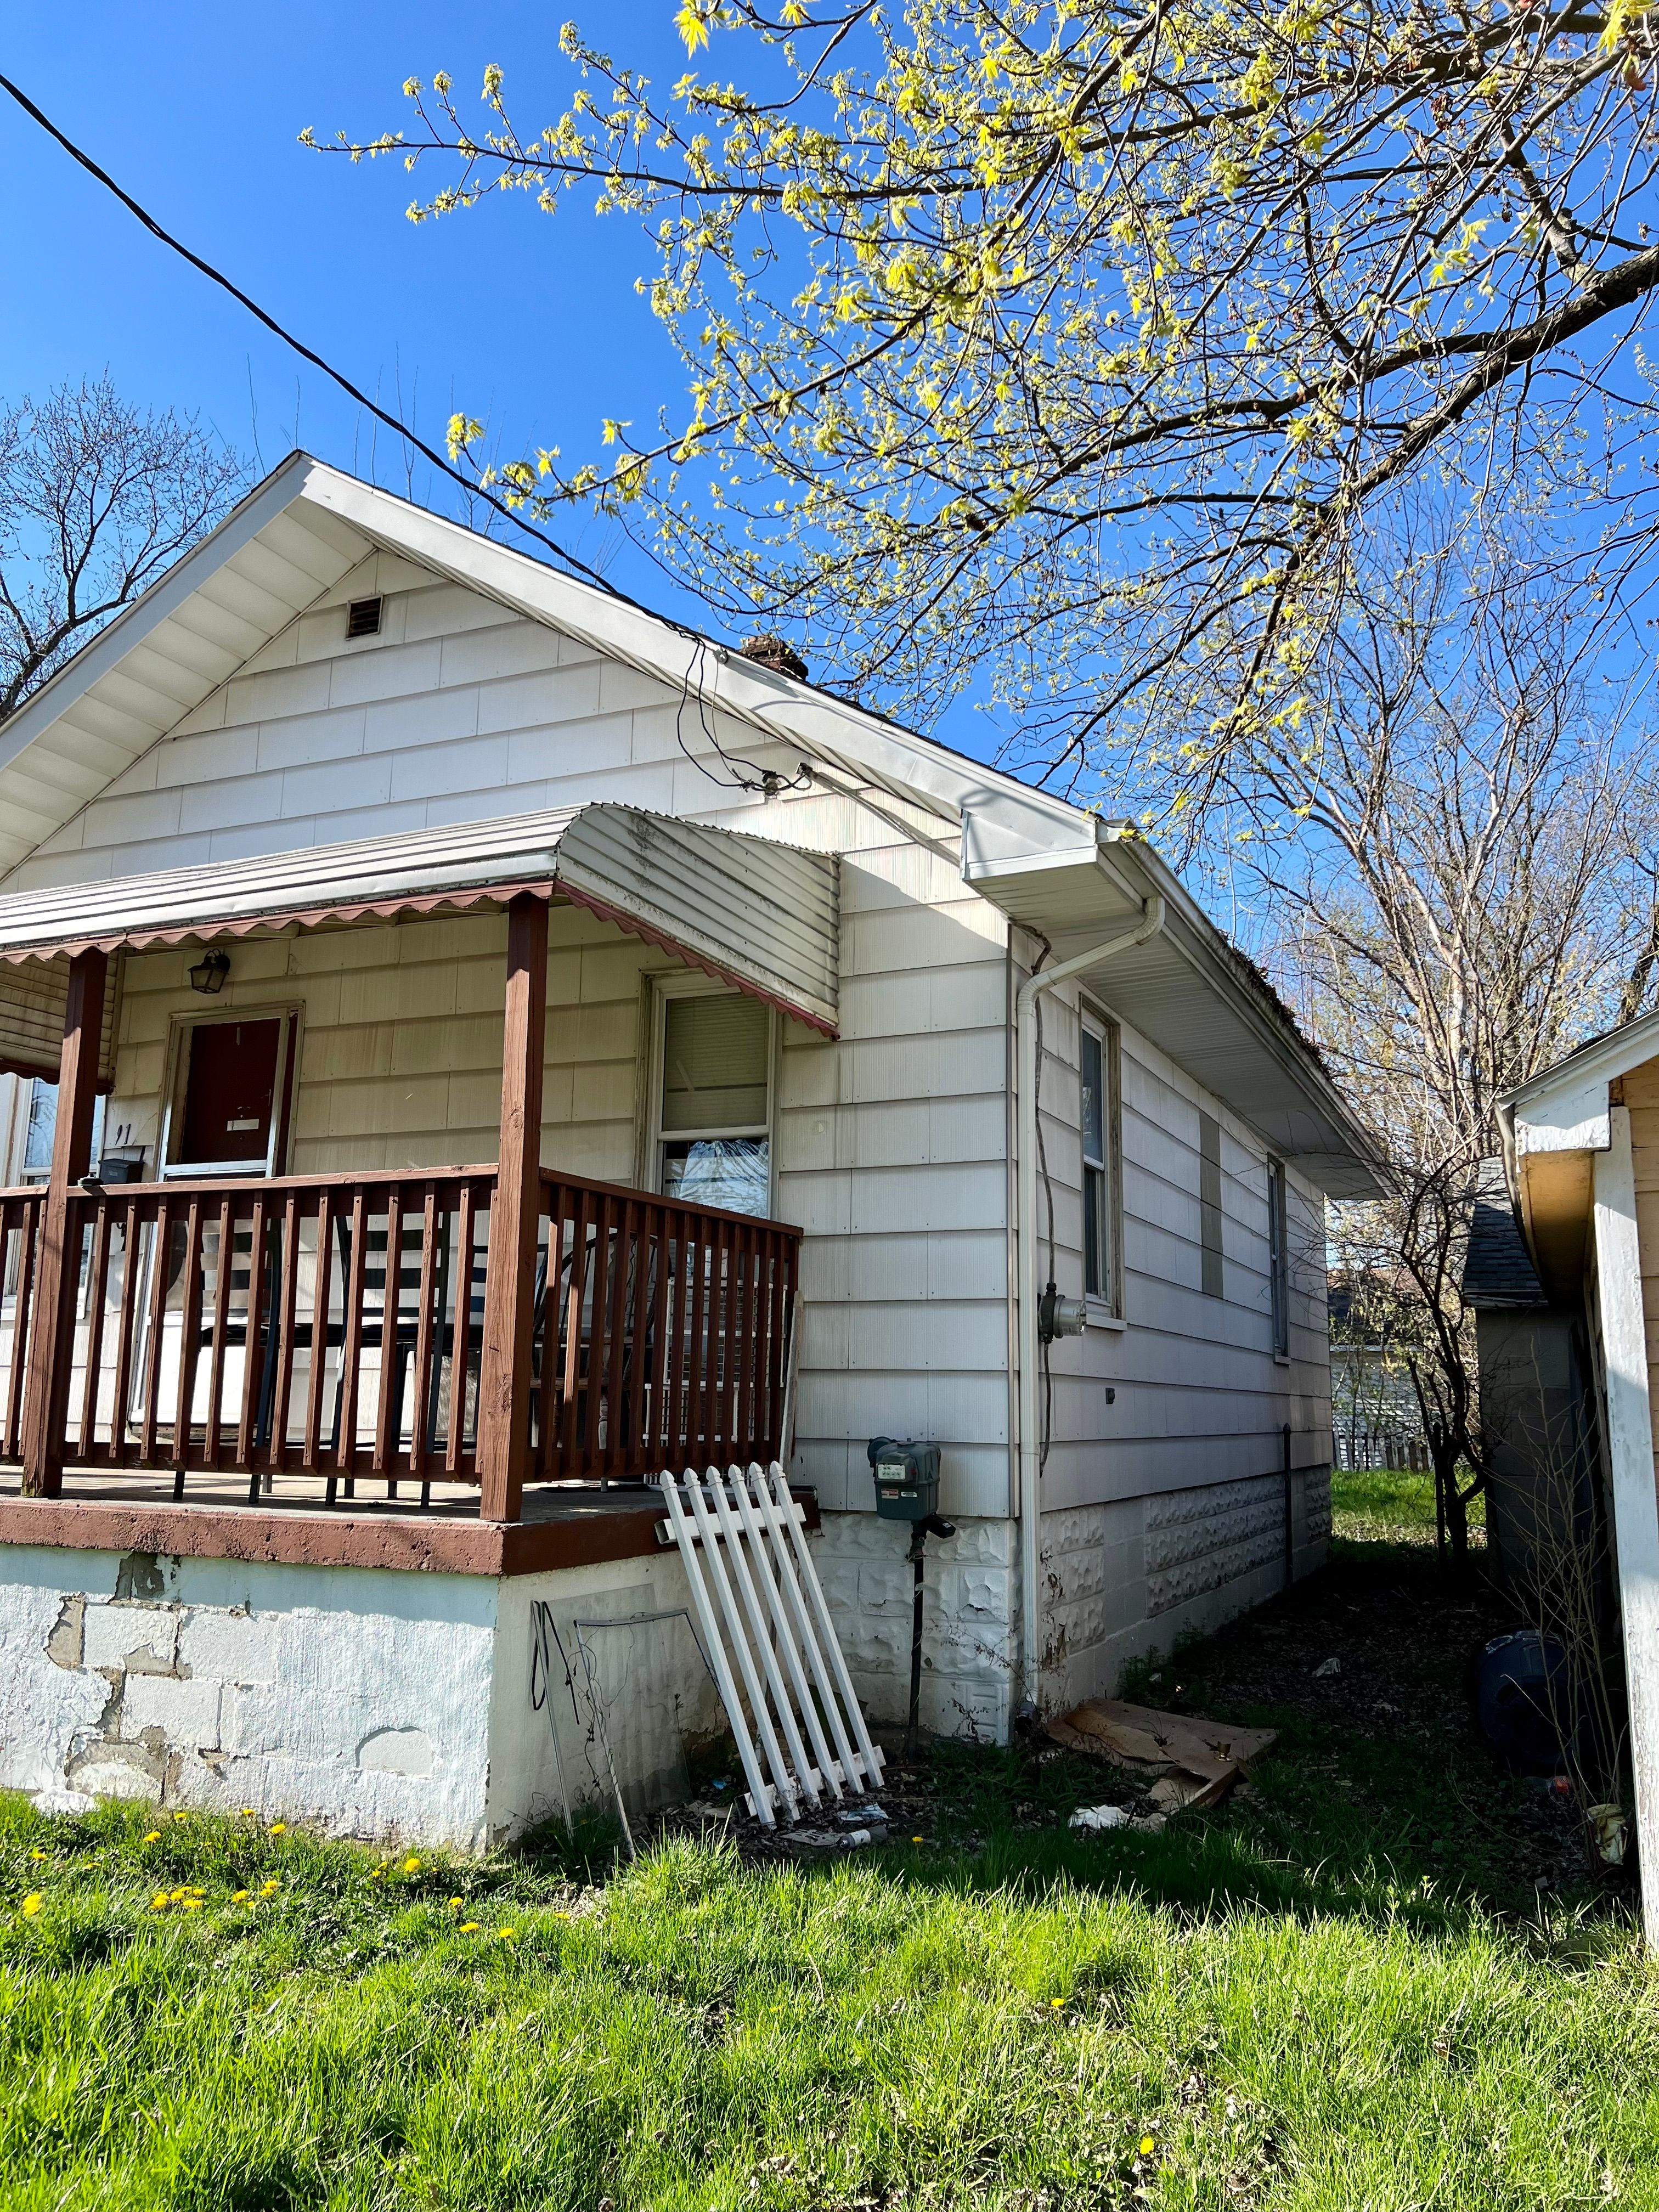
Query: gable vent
{"points": [[363, 618]]}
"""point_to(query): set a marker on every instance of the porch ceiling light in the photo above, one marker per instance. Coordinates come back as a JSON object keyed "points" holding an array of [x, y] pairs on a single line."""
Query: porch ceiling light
{"points": [[207, 976]]}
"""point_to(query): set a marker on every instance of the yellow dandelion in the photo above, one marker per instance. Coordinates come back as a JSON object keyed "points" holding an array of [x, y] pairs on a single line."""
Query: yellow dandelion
{"points": [[181, 1816], [160, 1902], [279, 1828], [458, 1900], [191, 1904], [1147, 2146], [241, 1896], [1059, 2003], [269, 1888], [248, 1813], [918, 1839], [505, 1935], [412, 1866], [561, 1916], [31, 1904], [470, 1927], [36, 1855], [153, 1837]]}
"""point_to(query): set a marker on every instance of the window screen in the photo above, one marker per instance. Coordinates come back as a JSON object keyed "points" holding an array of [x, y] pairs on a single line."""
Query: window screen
{"points": [[716, 1102]]}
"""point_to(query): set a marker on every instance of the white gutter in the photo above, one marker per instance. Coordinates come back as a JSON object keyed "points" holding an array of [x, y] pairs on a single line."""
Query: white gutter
{"points": [[1030, 1289]]}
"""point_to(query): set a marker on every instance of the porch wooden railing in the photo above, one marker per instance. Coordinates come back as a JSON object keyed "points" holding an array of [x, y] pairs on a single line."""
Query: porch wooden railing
{"points": [[334, 1326]]}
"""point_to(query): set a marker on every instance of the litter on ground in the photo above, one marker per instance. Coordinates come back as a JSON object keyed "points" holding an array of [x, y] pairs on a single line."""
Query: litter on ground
{"points": [[1197, 1761]]}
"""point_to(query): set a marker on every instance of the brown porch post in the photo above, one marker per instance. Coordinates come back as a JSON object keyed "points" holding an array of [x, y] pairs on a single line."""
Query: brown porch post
{"points": [[514, 1218], [52, 1337]]}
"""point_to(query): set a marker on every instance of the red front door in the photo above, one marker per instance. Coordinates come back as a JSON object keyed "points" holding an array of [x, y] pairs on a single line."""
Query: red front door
{"points": [[230, 1092]]}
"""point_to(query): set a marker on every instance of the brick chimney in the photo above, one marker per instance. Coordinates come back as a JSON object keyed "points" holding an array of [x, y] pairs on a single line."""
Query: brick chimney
{"points": [[775, 652]]}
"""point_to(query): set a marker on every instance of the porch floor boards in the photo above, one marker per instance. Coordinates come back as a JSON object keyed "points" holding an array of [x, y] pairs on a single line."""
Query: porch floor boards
{"points": [[564, 1524]]}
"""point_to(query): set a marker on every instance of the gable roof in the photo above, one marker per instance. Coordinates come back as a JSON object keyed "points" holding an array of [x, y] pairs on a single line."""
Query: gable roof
{"points": [[1051, 866]]}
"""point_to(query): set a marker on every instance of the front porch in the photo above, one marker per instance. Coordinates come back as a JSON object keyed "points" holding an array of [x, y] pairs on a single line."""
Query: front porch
{"points": [[436, 1340]]}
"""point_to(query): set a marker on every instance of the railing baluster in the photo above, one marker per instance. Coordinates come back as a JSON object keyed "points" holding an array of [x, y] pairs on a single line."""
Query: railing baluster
{"points": [[616, 1309], [352, 1340], [86, 1429], [675, 1443], [259, 1348], [573, 1413], [384, 1441], [288, 1291], [549, 1402], [420, 1441], [749, 1245], [189, 1342], [159, 1254], [457, 1461], [321, 1290], [220, 1327], [642, 1218], [652, 1444], [126, 1327], [696, 1404]]}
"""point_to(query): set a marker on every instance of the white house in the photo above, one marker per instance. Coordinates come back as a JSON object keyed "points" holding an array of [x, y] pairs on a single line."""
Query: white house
{"points": [[529, 1045]]}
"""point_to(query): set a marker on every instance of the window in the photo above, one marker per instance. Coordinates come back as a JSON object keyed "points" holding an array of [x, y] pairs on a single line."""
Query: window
{"points": [[1279, 1259], [41, 1128], [1209, 1203], [714, 1113], [1099, 1130]]}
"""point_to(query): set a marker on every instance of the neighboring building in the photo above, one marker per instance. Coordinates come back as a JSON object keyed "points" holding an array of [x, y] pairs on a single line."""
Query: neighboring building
{"points": [[362, 850], [1582, 1155], [1543, 1485]]}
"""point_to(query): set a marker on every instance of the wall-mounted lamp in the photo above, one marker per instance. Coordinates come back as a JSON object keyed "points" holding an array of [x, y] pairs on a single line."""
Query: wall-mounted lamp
{"points": [[207, 976]]}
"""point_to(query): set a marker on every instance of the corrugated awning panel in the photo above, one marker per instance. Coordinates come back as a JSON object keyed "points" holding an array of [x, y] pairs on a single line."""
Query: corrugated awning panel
{"points": [[761, 915]]}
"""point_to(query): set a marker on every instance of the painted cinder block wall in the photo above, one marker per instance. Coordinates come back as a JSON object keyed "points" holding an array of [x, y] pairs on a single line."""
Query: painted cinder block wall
{"points": [[370, 1701]]}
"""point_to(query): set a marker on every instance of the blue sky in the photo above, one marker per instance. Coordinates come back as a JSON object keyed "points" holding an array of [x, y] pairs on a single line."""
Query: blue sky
{"points": [[529, 321]]}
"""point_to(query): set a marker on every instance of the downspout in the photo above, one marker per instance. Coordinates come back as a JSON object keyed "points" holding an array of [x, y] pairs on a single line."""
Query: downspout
{"points": [[1030, 1289]]}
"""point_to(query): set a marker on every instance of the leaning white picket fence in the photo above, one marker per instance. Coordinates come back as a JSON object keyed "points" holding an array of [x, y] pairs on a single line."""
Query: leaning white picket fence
{"points": [[769, 1638]]}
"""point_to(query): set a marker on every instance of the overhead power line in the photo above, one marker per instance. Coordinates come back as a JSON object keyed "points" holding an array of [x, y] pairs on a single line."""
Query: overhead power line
{"points": [[307, 353], [741, 773]]}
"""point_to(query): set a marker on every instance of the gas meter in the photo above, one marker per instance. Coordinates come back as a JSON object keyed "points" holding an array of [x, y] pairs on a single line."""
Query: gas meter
{"points": [[906, 1478]]}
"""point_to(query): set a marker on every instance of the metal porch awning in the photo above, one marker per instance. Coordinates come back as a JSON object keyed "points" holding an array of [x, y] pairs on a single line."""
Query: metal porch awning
{"points": [[761, 915]]}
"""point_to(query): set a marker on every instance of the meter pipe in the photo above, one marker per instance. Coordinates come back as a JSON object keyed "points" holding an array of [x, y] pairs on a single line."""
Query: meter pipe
{"points": [[1031, 1548]]}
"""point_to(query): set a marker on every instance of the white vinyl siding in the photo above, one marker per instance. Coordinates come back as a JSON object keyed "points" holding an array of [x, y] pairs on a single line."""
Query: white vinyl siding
{"points": [[1199, 1397], [891, 1145]]}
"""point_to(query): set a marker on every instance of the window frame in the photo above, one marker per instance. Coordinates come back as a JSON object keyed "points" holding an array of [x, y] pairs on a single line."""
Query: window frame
{"points": [[291, 1015], [1105, 1305], [665, 988]]}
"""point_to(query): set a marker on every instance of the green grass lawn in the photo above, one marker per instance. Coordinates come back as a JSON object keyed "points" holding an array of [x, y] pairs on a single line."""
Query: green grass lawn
{"points": [[1342, 1991]]}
